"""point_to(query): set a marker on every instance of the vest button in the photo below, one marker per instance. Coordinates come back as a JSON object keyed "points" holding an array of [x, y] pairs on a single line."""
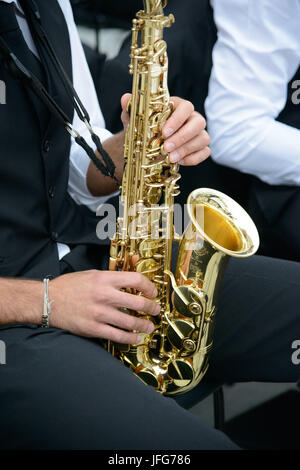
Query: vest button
{"points": [[46, 146], [54, 236], [51, 191]]}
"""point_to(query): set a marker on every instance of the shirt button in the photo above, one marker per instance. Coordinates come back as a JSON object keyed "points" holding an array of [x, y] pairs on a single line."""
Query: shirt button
{"points": [[51, 191], [54, 236], [46, 146]]}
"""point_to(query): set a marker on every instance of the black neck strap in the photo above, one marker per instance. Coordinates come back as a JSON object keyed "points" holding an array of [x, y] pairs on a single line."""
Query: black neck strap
{"points": [[28, 79]]}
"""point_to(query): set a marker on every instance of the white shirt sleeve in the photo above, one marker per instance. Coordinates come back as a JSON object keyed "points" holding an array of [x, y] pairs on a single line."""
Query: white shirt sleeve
{"points": [[256, 54], [84, 86]]}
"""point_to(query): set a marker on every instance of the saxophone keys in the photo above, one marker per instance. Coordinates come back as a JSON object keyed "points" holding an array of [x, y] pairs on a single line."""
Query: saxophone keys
{"points": [[179, 335], [154, 195], [181, 372], [148, 248], [147, 376], [188, 301], [195, 308], [148, 267], [189, 345]]}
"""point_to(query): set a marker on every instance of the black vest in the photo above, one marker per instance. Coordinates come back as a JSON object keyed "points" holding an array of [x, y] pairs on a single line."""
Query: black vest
{"points": [[36, 210]]}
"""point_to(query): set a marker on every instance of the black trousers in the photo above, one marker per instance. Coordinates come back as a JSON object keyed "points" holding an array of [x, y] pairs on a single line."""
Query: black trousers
{"points": [[60, 391]]}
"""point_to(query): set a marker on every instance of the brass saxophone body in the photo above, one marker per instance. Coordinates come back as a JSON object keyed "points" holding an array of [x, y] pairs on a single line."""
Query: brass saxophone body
{"points": [[175, 356]]}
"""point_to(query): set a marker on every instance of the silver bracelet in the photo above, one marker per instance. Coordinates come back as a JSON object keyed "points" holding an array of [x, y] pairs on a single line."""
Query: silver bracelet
{"points": [[47, 305]]}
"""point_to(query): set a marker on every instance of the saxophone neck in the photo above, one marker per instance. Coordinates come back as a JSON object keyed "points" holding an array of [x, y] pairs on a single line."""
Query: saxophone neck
{"points": [[154, 7], [153, 21]]}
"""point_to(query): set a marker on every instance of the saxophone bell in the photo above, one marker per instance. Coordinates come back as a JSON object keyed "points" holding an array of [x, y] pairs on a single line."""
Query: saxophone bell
{"points": [[219, 228]]}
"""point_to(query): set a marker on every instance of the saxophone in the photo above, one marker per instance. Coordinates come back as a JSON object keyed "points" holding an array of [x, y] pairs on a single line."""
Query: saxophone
{"points": [[175, 356]]}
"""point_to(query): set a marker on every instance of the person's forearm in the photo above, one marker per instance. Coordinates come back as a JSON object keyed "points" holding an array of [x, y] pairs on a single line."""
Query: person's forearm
{"points": [[21, 301], [98, 184]]}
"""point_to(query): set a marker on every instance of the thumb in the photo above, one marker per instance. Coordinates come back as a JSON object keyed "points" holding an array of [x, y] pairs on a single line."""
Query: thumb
{"points": [[125, 100], [124, 103]]}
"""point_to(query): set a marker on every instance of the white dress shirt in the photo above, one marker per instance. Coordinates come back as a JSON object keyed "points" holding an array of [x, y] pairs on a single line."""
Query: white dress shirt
{"points": [[256, 54], [83, 84]]}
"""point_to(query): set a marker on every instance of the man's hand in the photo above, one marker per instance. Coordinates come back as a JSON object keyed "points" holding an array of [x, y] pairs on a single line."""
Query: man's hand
{"points": [[185, 136], [185, 139], [88, 304]]}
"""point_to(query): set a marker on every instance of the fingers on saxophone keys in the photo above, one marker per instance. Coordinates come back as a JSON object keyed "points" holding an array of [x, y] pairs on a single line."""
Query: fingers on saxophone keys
{"points": [[136, 281], [197, 144], [138, 303], [118, 336], [130, 322], [182, 112], [194, 128]]}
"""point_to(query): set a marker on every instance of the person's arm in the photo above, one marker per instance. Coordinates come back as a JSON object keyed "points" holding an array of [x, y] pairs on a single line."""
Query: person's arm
{"points": [[21, 301], [257, 53], [85, 303], [96, 183]]}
